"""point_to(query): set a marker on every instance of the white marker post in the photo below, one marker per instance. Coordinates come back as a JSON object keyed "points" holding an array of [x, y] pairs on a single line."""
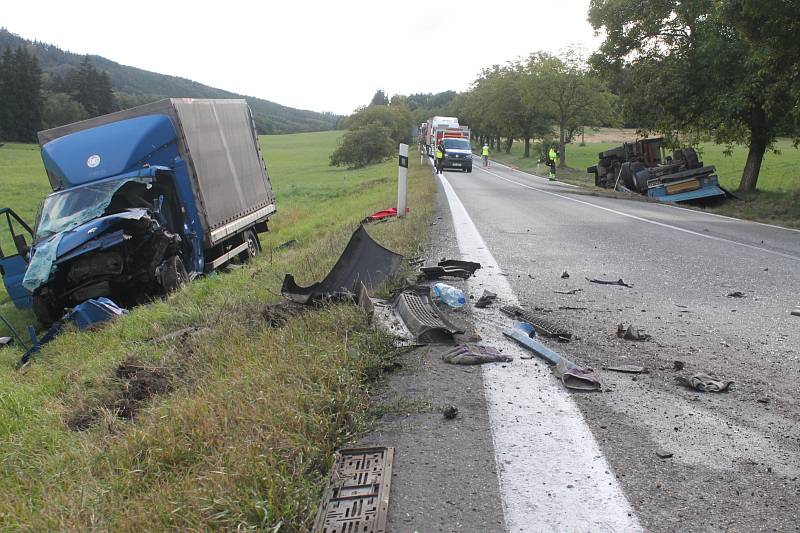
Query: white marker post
{"points": [[402, 180]]}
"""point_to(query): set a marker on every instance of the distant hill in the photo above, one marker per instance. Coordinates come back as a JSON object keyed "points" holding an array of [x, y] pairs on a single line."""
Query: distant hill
{"points": [[138, 86]]}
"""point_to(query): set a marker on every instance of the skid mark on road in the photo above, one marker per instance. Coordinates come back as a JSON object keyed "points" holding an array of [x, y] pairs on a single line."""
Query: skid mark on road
{"points": [[553, 476], [642, 219]]}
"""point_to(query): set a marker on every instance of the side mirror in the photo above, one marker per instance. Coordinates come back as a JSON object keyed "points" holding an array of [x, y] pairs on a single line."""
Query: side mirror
{"points": [[21, 244]]}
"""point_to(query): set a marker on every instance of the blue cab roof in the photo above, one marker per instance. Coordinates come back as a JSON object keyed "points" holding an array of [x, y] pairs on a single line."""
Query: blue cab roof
{"points": [[108, 150]]}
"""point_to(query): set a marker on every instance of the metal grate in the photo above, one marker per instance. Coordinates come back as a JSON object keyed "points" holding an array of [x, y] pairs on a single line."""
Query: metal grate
{"points": [[357, 500], [540, 324], [423, 320]]}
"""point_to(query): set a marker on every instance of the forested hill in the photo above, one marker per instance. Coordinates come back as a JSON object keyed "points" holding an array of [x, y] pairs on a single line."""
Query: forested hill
{"points": [[134, 86]]}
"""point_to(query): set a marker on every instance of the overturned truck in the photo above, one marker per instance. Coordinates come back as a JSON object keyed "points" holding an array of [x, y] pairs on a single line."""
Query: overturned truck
{"points": [[644, 167]]}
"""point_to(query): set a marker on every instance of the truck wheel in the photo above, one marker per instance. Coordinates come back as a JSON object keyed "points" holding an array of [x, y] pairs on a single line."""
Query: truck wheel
{"points": [[173, 274], [469, 170], [47, 312], [253, 246]]}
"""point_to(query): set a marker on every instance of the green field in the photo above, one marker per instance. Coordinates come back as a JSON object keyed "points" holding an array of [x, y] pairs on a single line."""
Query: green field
{"points": [[230, 428], [777, 200]]}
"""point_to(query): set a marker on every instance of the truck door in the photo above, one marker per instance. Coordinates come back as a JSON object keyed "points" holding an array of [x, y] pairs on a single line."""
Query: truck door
{"points": [[14, 256]]}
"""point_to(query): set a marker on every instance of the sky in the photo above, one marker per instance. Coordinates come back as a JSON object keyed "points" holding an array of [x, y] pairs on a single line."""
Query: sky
{"points": [[318, 55]]}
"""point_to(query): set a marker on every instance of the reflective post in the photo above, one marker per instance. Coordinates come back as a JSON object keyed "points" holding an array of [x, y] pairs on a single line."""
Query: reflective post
{"points": [[402, 180]]}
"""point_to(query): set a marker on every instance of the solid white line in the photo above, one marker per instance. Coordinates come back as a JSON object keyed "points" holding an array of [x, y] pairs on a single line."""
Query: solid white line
{"points": [[561, 183], [729, 218], [642, 219], [553, 476]]}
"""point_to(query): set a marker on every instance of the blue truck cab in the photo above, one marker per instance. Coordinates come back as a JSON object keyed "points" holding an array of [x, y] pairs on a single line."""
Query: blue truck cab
{"points": [[143, 201]]}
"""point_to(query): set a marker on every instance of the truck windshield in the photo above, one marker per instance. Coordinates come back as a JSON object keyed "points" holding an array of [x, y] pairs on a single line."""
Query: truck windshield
{"points": [[68, 209], [456, 144]]}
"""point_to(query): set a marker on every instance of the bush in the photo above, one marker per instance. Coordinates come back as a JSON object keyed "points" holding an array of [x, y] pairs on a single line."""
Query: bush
{"points": [[368, 144]]}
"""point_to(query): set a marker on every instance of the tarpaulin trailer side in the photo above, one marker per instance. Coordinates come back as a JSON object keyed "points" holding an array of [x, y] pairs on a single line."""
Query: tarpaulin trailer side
{"points": [[217, 140]]}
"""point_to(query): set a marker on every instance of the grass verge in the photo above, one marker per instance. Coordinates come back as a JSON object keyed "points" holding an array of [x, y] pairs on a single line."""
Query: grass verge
{"points": [[775, 202], [232, 424]]}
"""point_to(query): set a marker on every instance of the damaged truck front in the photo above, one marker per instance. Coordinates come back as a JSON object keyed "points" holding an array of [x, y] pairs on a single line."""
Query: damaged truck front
{"points": [[144, 200]]}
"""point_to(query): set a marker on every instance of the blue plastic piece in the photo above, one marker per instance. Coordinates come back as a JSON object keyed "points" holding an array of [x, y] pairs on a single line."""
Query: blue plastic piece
{"points": [[522, 333], [94, 311], [14, 268]]}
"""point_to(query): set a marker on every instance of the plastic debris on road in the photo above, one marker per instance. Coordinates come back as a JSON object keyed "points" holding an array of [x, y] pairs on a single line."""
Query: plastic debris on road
{"points": [[473, 354], [705, 383], [448, 295], [631, 333], [486, 299], [608, 282], [382, 215]]}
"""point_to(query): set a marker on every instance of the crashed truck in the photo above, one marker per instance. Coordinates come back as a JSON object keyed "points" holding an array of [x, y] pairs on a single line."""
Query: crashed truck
{"points": [[644, 167], [143, 201]]}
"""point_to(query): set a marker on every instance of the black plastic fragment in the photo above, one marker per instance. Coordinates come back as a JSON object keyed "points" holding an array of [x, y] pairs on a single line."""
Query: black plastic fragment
{"points": [[363, 260]]}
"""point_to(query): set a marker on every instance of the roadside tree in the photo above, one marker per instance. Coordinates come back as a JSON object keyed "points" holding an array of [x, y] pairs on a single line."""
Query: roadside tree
{"points": [[362, 146], [716, 66]]}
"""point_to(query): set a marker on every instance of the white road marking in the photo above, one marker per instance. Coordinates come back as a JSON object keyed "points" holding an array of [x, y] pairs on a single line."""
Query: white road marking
{"points": [[642, 219], [553, 476], [560, 183]]}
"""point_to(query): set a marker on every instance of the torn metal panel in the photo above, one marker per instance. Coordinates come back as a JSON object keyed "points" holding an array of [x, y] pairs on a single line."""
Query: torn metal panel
{"points": [[423, 319], [363, 260], [542, 325], [357, 498]]}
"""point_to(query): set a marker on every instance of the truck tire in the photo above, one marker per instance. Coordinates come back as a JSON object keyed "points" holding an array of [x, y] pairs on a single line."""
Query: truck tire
{"points": [[46, 310], [253, 246], [173, 274]]}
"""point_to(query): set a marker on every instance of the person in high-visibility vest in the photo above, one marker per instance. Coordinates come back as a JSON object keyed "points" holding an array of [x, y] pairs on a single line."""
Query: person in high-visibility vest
{"points": [[485, 153], [439, 158], [552, 155]]}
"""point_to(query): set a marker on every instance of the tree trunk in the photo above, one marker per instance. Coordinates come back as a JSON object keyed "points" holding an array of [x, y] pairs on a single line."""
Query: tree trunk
{"points": [[509, 143], [755, 156], [527, 148], [562, 145]]}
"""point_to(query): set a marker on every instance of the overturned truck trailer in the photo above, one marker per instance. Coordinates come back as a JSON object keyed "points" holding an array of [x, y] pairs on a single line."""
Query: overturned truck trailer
{"points": [[644, 167]]}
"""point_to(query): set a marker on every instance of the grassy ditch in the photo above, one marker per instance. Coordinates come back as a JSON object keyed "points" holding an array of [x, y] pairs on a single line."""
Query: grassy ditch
{"points": [[777, 200], [230, 424]]}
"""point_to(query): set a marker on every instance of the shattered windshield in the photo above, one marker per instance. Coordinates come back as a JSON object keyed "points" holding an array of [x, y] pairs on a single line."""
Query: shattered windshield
{"points": [[65, 210]]}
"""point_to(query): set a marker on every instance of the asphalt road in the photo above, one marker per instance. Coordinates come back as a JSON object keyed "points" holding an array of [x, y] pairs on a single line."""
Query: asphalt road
{"points": [[735, 463]]}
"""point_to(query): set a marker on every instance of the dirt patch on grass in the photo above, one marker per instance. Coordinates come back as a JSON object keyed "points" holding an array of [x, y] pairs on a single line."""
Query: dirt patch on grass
{"points": [[131, 385]]}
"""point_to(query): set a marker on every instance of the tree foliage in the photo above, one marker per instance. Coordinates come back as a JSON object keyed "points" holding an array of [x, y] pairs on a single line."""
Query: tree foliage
{"points": [[708, 65], [20, 95], [364, 145], [380, 98], [60, 109]]}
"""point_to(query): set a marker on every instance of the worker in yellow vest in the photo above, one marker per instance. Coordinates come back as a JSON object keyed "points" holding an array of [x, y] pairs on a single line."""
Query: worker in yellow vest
{"points": [[485, 154], [551, 162], [439, 158]]}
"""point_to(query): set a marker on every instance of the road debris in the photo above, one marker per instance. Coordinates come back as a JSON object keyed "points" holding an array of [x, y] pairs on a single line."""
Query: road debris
{"points": [[607, 282], [678, 365], [86, 315], [627, 369], [383, 214], [540, 324], [575, 377], [573, 291], [570, 374], [452, 268], [631, 333], [565, 275], [5, 341], [473, 354], [705, 383], [357, 497], [448, 295], [796, 311], [450, 412], [422, 318], [363, 259], [736, 294], [486, 299], [664, 455]]}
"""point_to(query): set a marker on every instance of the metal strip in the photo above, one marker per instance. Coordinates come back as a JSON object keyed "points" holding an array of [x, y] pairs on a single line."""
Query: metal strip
{"points": [[227, 256], [232, 227]]}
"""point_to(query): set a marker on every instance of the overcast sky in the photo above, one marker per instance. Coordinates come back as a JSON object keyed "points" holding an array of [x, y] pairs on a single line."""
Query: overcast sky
{"points": [[320, 55]]}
